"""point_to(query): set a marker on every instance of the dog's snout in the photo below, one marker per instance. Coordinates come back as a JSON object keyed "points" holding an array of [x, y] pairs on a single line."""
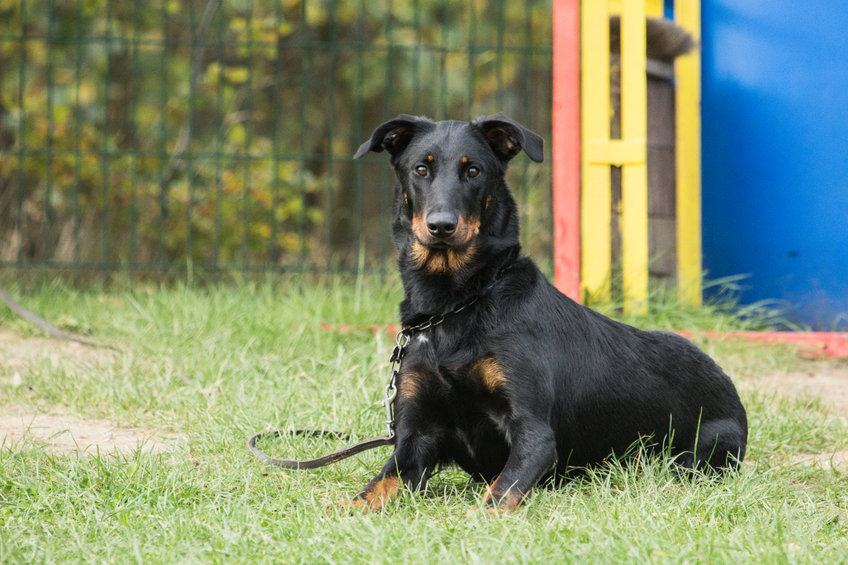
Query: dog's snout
{"points": [[441, 224]]}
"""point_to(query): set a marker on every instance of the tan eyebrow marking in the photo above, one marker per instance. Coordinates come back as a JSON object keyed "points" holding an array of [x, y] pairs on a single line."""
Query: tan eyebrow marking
{"points": [[430, 158], [464, 159]]}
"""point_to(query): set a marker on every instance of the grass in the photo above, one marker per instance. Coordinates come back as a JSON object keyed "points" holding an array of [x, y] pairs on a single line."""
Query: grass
{"points": [[213, 365]]}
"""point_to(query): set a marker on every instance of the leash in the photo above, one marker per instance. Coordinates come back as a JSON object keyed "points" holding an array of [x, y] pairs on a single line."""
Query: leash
{"points": [[323, 461], [402, 339]]}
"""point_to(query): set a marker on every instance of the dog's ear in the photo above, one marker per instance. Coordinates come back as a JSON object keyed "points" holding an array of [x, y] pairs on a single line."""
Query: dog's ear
{"points": [[507, 138], [393, 136]]}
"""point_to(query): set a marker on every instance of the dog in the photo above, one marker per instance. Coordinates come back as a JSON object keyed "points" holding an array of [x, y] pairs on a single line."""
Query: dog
{"points": [[502, 374]]}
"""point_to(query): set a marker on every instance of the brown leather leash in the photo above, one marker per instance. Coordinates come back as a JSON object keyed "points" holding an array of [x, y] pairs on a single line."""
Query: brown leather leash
{"points": [[323, 461]]}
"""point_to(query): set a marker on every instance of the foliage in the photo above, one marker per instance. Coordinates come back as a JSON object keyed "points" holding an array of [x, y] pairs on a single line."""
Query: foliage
{"points": [[220, 133]]}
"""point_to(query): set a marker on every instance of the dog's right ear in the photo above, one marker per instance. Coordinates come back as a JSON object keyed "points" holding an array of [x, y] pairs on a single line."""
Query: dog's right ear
{"points": [[393, 136]]}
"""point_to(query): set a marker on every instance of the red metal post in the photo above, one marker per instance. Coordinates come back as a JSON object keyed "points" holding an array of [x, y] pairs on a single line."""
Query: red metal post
{"points": [[566, 146]]}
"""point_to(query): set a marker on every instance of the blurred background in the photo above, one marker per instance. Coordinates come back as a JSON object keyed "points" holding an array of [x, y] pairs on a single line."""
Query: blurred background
{"points": [[150, 138], [142, 141]]}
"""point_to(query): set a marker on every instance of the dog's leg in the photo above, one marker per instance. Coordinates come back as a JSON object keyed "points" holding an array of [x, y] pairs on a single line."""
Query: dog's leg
{"points": [[721, 445], [532, 454], [410, 466]]}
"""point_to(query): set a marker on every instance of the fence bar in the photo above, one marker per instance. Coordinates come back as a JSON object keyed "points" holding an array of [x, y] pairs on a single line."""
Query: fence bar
{"points": [[217, 136]]}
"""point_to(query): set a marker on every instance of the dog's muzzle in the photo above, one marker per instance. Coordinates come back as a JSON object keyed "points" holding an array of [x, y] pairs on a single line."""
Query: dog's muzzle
{"points": [[442, 225]]}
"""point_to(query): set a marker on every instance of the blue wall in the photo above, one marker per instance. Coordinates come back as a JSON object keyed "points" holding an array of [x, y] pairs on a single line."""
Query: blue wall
{"points": [[775, 152]]}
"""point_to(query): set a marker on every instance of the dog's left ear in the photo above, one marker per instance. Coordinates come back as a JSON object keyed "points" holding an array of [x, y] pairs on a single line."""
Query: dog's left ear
{"points": [[507, 137]]}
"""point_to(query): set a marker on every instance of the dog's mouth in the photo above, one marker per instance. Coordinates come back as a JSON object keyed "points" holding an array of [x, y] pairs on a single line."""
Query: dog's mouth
{"points": [[440, 257], [441, 245], [461, 237], [446, 254]]}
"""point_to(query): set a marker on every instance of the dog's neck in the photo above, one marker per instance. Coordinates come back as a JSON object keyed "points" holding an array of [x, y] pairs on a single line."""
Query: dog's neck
{"points": [[427, 294]]}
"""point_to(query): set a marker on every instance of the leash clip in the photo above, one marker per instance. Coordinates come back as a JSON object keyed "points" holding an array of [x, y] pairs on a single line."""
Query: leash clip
{"points": [[401, 340], [389, 406]]}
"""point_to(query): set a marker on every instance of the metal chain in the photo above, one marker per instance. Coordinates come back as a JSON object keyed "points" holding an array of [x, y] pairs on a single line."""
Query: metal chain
{"points": [[401, 340]]}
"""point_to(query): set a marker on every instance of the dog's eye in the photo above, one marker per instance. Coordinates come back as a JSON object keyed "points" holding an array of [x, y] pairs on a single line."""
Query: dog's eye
{"points": [[422, 170], [472, 172]]}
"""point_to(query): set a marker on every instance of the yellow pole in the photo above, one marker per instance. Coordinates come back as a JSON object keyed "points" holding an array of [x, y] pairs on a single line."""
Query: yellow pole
{"points": [[596, 198], [634, 179], [688, 141], [600, 152], [654, 8]]}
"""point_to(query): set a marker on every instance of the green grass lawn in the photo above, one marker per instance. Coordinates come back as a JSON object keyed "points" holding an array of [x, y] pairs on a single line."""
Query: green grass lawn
{"points": [[209, 367]]}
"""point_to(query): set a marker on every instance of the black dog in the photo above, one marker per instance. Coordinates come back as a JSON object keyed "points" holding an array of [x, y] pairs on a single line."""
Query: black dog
{"points": [[512, 380]]}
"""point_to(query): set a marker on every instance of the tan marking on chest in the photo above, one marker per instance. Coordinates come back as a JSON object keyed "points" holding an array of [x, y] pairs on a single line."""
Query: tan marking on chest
{"points": [[489, 372], [409, 385]]}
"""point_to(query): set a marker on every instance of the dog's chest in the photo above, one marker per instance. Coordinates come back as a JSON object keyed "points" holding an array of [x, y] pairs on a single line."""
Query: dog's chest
{"points": [[455, 367], [464, 394]]}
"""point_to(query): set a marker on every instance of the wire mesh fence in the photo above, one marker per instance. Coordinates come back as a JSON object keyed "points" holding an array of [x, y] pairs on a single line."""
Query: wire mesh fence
{"points": [[149, 138]]}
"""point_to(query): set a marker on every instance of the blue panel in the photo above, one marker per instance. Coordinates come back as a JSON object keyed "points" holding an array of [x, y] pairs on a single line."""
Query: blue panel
{"points": [[775, 152]]}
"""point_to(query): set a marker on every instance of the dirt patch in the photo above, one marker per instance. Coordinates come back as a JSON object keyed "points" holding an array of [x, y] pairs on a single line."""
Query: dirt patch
{"points": [[63, 433], [55, 430], [827, 461], [828, 382], [17, 352]]}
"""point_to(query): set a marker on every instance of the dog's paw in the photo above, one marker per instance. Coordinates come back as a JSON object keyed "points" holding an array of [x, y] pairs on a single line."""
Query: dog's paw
{"points": [[498, 503]]}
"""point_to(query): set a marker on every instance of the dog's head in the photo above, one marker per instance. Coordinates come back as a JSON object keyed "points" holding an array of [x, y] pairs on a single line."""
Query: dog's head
{"points": [[452, 186]]}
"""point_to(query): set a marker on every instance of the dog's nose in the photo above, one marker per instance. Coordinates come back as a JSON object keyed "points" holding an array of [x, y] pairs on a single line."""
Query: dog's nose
{"points": [[441, 224]]}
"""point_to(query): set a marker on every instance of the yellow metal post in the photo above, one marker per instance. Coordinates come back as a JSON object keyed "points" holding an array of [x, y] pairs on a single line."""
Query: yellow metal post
{"points": [[654, 8], [634, 175], [596, 197], [600, 153], [688, 141]]}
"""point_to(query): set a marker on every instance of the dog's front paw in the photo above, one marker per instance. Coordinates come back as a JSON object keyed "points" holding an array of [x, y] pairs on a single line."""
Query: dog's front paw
{"points": [[375, 495], [501, 502]]}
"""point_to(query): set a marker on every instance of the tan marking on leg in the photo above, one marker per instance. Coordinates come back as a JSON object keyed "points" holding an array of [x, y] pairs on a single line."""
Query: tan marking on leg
{"points": [[508, 501], [380, 493]]}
